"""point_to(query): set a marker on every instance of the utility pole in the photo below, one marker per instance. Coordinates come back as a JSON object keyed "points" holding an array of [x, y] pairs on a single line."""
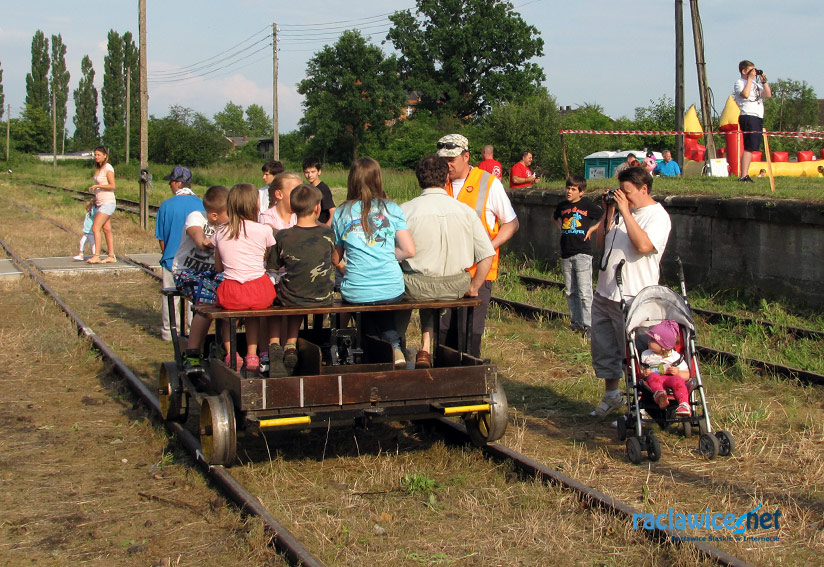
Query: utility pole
{"points": [[703, 89], [54, 128], [128, 107], [679, 82], [144, 123], [275, 136]]}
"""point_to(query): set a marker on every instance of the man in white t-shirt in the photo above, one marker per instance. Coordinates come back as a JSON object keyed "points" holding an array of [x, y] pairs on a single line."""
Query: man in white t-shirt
{"points": [[634, 228], [750, 90], [482, 191]]}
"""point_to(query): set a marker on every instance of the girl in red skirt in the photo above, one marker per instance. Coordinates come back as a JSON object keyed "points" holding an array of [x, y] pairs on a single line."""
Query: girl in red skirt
{"points": [[241, 247]]}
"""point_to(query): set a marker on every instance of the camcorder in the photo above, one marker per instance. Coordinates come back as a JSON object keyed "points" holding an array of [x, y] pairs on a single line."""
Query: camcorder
{"points": [[539, 172]]}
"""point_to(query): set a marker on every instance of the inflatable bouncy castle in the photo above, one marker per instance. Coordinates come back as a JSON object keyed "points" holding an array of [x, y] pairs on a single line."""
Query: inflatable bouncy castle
{"points": [[695, 153]]}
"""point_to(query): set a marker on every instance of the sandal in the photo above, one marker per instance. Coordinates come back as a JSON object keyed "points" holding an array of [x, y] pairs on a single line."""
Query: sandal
{"points": [[109, 260], [94, 260]]}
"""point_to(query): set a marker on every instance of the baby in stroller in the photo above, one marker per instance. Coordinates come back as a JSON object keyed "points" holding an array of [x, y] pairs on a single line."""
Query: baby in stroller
{"points": [[663, 367]]}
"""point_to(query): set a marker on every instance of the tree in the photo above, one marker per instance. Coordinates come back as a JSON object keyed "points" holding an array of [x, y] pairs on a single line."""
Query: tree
{"points": [[122, 54], [59, 82], [659, 115], [87, 126], [131, 57], [349, 87], [37, 82], [33, 130], [532, 124], [793, 107], [185, 137], [258, 122], [231, 120], [466, 56]]}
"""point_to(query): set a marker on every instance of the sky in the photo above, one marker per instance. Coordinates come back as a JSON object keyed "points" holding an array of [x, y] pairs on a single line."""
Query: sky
{"points": [[619, 55]]}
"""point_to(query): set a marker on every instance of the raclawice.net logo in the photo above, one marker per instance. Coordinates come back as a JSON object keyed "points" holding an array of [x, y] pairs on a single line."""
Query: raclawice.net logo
{"points": [[731, 526]]}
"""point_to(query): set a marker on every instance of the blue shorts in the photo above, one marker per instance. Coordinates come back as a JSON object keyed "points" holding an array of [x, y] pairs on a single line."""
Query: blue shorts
{"points": [[199, 287]]}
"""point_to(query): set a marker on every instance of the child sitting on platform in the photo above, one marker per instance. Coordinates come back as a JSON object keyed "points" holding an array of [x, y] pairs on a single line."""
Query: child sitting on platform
{"points": [[241, 247], [193, 267], [665, 368], [88, 235], [305, 250]]}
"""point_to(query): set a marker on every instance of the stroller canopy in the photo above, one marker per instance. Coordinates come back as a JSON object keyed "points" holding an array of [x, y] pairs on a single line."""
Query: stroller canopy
{"points": [[654, 304]]}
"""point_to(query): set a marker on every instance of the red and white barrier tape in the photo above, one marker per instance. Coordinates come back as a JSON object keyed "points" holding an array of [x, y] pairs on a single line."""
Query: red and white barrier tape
{"points": [[804, 135]]}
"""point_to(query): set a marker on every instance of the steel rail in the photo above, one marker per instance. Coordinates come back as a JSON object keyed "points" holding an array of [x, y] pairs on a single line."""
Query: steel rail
{"points": [[534, 312], [708, 314], [122, 204], [284, 541], [611, 505]]}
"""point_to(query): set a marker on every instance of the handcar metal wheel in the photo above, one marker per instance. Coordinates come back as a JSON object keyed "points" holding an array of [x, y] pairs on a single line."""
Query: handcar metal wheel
{"points": [[486, 427], [634, 452], [708, 446], [653, 448], [174, 404], [218, 435], [726, 444]]}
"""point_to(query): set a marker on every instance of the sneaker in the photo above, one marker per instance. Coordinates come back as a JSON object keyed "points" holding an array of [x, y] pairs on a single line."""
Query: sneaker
{"points": [[660, 397], [276, 367], [238, 362], [252, 363], [683, 410], [192, 363], [290, 358], [80, 257], [608, 405], [399, 358], [746, 179]]}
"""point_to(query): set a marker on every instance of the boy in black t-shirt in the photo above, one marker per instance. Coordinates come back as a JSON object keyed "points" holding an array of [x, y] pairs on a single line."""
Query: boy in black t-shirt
{"points": [[578, 220], [305, 250], [312, 171]]}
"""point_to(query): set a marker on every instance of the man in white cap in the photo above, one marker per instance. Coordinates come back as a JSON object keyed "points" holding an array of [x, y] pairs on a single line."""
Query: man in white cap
{"points": [[484, 193]]}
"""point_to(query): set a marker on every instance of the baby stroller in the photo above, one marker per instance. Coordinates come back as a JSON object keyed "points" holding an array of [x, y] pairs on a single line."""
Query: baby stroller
{"points": [[650, 306]]}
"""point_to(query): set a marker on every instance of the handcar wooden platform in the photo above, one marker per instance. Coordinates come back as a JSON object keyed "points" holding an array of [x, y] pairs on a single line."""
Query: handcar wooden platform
{"points": [[343, 377]]}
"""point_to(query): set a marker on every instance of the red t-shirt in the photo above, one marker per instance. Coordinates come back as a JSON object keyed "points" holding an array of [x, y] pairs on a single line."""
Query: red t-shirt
{"points": [[519, 170], [492, 166]]}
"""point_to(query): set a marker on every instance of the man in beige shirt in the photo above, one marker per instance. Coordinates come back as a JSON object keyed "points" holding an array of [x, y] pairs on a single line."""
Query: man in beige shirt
{"points": [[449, 238]]}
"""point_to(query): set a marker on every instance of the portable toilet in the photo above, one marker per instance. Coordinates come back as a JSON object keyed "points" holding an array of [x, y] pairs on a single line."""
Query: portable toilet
{"points": [[619, 157], [597, 165]]}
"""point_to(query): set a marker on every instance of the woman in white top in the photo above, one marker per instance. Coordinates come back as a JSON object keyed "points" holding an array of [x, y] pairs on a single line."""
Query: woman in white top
{"points": [[104, 200]]}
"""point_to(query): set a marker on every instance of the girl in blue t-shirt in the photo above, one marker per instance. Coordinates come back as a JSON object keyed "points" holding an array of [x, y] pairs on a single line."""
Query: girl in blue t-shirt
{"points": [[371, 230]]}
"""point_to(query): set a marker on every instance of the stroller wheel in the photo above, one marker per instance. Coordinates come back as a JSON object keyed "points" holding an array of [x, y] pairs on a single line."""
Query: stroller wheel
{"points": [[634, 452], [622, 427], [726, 445], [708, 445], [687, 429], [653, 448]]}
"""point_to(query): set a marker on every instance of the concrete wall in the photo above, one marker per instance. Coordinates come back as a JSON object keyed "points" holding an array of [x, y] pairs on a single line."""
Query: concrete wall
{"points": [[772, 248]]}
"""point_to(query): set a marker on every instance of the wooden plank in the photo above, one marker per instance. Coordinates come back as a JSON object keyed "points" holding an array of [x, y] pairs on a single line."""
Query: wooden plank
{"points": [[407, 386], [212, 312]]}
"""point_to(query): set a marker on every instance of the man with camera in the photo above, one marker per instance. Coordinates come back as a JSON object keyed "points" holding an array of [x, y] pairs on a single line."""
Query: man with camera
{"points": [[750, 90], [635, 229], [520, 176]]}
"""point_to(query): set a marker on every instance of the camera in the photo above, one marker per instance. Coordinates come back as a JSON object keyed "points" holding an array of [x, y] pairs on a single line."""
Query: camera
{"points": [[759, 72], [609, 196]]}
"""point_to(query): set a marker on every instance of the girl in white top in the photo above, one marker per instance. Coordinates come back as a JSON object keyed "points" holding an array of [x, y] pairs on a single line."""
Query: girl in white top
{"points": [[104, 200]]}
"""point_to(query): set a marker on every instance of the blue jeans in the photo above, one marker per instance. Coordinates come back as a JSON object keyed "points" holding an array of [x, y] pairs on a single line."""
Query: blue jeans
{"points": [[578, 282]]}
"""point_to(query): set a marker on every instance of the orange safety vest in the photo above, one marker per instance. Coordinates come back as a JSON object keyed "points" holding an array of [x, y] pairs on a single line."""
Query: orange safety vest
{"points": [[475, 193]]}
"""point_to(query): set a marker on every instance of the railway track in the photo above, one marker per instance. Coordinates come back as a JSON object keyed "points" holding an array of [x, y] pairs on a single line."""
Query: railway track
{"points": [[122, 204], [286, 542], [725, 357]]}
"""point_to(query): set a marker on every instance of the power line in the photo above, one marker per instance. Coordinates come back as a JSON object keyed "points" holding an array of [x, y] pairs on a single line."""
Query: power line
{"points": [[340, 23], [194, 69], [201, 75]]}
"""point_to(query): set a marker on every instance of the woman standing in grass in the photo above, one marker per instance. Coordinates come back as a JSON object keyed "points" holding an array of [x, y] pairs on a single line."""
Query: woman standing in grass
{"points": [[104, 200]]}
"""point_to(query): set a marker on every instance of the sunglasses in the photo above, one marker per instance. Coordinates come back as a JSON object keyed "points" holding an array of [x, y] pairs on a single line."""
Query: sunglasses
{"points": [[449, 146]]}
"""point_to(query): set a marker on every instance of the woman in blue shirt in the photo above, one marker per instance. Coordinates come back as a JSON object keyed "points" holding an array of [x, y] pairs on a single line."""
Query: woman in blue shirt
{"points": [[371, 231]]}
